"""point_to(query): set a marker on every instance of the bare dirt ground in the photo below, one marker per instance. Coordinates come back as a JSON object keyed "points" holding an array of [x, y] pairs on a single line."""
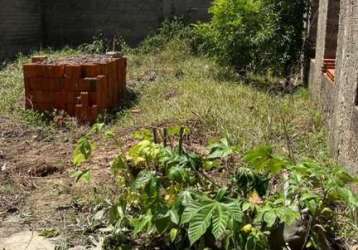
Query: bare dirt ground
{"points": [[36, 191], [33, 177]]}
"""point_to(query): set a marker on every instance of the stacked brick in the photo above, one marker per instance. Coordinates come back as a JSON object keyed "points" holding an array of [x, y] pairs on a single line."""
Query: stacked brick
{"points": [[81, 87], [329, 68]]}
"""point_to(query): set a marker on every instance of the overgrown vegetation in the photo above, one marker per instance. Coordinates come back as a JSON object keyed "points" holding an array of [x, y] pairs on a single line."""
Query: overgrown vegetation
{"points": [[174, 192], [255, 35], [169, 197]]}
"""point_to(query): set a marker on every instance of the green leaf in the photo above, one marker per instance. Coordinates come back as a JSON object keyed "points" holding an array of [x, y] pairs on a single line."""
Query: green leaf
{"points": [[143, 134], [118, 164], [147, 181], [221, 193], [200, 222], [179, 174], [205, 213], [220, 221], [143, 223], [186, 198], [162, 223], [109, 134], [97, 127], [222, 149], [210, 165], [246, 206], [173, 234], [270, 218], [288, 215], [262, 159], [84, 176], [191, 209], [82, 151], [235, 211], [174, 216], [255, 156], [143, 179]]}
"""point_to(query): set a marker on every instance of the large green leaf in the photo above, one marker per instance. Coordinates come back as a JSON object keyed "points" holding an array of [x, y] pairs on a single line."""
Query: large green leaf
{"points": [[263, 159], [235, 211], [222, 149], [200, 222], [205, 213], [270, 218], [162, 223], [220, 220], [143, 223], [190, 211], [147, 181]]}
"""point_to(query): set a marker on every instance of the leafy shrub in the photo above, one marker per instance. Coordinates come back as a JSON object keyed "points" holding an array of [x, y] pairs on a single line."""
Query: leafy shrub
{"points": [[254, 34], [171, 30], [100, 44], [168, 199]]}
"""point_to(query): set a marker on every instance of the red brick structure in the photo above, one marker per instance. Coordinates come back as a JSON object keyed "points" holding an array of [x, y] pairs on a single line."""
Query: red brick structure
{"points": [[83, 86]]}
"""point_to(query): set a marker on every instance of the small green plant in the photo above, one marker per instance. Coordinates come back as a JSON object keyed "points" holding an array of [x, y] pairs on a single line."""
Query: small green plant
{"points": [[101, 44], [83, 151], [168, 198], [169, 31]]}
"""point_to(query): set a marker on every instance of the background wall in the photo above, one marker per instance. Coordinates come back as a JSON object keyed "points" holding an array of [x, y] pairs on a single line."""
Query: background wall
{"points": [[25, 24], [71, 22], [20, 26], [345, 128], [28, 24]]}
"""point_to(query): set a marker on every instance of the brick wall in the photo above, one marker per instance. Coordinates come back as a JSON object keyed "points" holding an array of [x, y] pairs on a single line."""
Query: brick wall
{"points": [[20, 26]]}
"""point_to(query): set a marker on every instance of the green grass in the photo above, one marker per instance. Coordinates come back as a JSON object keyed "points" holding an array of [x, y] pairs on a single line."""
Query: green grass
{"points": [[171, 85], [194, 88]]}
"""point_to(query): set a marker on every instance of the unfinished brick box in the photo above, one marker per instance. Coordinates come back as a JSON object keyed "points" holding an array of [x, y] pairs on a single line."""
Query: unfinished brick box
{"points": [[83, 86]]}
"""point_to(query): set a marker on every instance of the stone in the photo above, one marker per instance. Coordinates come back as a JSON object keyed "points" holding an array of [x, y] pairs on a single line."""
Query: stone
{"points": [[26, 240]]}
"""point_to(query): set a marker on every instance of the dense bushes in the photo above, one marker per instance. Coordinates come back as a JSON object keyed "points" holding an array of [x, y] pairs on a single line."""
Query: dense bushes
{"points": [[254, 34], [170, 197]]}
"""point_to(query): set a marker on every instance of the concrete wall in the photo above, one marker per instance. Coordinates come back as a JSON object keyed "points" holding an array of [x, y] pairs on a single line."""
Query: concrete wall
{"points": [[71, 22], [20, 26], [26, 23], [345, 128], [192, 10], [316, 78], [339, 99]]}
